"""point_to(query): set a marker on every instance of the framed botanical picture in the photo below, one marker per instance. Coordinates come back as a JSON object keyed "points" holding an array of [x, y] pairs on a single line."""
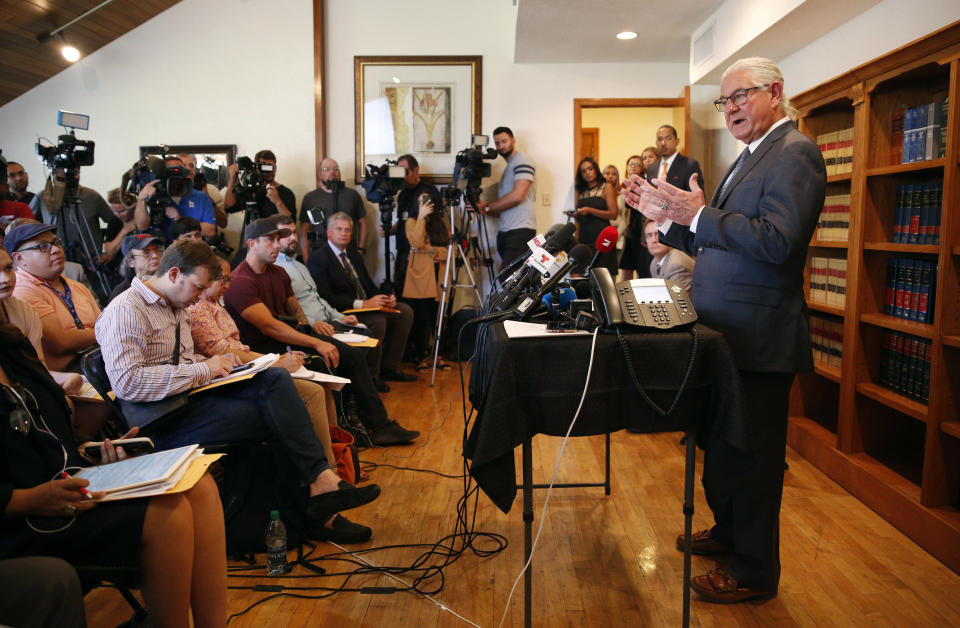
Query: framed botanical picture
{"points": [[425, 106]]}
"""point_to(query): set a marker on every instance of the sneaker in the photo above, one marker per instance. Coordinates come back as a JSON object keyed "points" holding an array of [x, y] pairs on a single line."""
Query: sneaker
{"points": [[392, 433], [394, 375], [343, 531]]}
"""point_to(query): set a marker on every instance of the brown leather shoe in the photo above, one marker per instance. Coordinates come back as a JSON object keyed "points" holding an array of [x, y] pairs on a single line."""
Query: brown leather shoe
{"points": [[704, 545], [719, 587]]}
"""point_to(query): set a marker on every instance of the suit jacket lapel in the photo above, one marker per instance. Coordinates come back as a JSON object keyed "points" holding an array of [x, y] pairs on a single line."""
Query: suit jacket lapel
{"points": [[750, 162]]}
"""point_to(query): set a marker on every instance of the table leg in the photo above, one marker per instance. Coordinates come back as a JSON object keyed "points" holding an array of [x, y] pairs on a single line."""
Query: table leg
{"points": [[527, 530], [688, 480]]}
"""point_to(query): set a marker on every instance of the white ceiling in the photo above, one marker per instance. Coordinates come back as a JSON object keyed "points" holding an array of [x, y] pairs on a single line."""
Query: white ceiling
{"points": [[584, 31]]}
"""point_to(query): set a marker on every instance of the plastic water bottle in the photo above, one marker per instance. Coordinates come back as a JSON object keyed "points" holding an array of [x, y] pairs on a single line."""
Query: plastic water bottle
{"points": [[276, 545]]}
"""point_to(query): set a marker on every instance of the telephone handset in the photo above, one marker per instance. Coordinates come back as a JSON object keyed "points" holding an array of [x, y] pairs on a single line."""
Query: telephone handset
{"points": [[654, 304]]}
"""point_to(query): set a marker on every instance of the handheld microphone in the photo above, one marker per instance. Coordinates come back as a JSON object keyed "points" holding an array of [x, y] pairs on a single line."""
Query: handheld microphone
{"points": [[567, 295], [520, 259], [605, 243], [517, 282]]}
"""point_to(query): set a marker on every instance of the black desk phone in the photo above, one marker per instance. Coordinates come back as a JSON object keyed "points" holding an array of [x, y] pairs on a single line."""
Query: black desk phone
{"points": [[650, 304]]}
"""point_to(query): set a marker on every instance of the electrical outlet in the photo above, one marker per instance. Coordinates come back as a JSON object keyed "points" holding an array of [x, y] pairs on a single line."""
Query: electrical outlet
{"points": [[546, 199]]}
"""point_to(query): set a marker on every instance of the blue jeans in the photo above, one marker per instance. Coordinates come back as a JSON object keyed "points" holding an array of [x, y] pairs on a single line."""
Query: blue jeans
{"points": [[264, 408]]}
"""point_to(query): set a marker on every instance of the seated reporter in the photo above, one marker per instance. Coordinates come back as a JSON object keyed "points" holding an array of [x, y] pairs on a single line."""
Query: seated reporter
{"points": [[141, 256], [176, 541], [21, 315], [215, 333], [148, 353], [67, 309], [260, 293], [342, 280]]}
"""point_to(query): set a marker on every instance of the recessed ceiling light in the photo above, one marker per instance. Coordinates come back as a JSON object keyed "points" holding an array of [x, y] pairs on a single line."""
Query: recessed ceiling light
{"points": [[70, 53], [627, 35]]}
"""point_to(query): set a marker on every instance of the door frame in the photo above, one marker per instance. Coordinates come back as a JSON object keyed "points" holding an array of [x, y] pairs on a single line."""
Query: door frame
{"points": [[579, 104]]}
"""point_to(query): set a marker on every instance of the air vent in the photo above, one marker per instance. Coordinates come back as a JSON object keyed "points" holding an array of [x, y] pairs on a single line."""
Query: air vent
{"points": [[703, 44]]}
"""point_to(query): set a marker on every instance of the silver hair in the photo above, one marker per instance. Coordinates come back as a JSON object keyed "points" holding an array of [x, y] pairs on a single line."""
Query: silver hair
{"points": [[764, 71], [340, 216]]}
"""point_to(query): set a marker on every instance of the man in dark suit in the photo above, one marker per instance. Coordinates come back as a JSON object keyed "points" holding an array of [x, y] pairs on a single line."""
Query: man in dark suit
{"points": [[343, 281], [751, 244], [673, 167]]}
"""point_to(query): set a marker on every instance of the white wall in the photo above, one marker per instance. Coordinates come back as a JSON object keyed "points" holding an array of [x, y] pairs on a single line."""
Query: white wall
{"points": [[871, 34], [252, 86], [535, 100]]}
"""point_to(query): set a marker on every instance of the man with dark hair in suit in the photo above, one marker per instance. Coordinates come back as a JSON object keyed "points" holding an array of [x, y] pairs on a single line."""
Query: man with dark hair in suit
{"points": [[751, 245], [343, 281], [673, 167]]}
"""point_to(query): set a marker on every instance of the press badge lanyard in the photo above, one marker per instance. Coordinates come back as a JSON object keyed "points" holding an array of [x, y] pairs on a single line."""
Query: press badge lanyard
{"points": [[67, 299]]}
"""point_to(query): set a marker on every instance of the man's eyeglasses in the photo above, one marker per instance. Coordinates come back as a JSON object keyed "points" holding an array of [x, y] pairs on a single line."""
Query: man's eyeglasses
{"points": [[43, 247], [737, 98]]}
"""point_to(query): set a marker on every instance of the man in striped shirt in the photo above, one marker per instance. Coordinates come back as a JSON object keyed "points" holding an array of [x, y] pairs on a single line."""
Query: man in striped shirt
{"points": [[147, 348]]}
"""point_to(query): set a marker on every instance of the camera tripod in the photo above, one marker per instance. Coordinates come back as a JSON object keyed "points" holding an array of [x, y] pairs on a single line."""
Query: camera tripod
{"points": [[456, 257], [84, 250]]}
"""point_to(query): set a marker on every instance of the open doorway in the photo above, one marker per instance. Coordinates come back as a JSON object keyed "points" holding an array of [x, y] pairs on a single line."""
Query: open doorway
{"points": [[612, 129]]}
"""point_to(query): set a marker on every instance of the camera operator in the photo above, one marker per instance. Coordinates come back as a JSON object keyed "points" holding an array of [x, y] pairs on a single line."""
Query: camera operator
{"points": [[323, 203], [19, 180], [408, 204], [276, 199], [515, 199], [190, 163], [195, 204], [46, 208]]}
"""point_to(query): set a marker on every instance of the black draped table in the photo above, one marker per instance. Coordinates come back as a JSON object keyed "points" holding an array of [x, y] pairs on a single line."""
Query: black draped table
{"points": [[529, 386]]}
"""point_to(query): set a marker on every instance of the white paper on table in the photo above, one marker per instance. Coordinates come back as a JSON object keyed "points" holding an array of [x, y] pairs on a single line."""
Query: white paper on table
{"points": [[332, 381], [521, 329]]}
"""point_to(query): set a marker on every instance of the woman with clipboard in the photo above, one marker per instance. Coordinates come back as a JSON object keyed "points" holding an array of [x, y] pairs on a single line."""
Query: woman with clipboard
{"points": [[176, 541]]}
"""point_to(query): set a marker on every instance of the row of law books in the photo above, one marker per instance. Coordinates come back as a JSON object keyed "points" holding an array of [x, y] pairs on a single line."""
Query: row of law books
{"points": [[918, 210], [828, 281], [920, 132], [826, 337], [910, 289], [834, 222], [905, 365], [837, 149]]}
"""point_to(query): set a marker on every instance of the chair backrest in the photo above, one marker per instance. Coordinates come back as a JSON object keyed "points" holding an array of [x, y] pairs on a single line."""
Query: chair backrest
{"points": [[96, 373]]}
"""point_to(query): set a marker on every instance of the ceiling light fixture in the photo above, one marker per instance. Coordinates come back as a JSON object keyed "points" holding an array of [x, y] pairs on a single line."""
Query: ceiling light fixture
{"points": [[626, 35], [70, 53]]}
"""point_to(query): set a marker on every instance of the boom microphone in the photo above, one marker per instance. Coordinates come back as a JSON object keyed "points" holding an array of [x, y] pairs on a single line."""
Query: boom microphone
{"points": [[605, 243]]}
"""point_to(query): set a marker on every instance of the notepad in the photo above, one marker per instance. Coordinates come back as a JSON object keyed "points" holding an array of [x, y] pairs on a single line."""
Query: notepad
{"points": [[332, 381], [141, 471]]}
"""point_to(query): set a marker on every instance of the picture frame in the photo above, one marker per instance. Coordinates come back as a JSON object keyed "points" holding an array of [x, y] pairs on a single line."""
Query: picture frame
{"points": [[428, 106]]}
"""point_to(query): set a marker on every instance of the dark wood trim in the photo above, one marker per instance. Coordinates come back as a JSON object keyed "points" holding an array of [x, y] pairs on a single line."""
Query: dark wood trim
{"points": [[319, 84]]}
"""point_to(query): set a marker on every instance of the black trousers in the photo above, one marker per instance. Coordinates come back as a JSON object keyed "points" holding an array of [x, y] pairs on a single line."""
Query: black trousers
{"points": [[40, 591], [353, 366], [744, 491], [512, 244]]}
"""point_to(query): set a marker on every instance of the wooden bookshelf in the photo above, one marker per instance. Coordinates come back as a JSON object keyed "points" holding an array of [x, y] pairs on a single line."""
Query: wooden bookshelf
{"points": [[898, 455]]}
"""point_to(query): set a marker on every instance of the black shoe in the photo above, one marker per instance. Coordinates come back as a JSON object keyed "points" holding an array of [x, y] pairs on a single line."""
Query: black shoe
{"points": [[392, 433], [380, 385], [394, 375], [321, 507], [343, 531]]}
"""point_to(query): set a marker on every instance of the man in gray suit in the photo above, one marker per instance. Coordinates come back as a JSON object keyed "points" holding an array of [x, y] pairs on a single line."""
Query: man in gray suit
{"points": [[751, 244], [667, 263]]}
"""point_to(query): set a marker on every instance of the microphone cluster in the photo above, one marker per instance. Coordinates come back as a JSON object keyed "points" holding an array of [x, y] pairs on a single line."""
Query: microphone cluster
{"points": [[532, 279]]}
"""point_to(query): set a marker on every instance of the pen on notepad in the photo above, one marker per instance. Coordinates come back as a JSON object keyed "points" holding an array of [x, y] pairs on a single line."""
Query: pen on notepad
{"points": [[65, 476]]}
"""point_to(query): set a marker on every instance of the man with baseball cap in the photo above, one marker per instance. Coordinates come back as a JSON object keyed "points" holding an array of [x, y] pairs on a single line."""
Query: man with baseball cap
{"points": [[67, 309], [261, 292], [141, 254]]}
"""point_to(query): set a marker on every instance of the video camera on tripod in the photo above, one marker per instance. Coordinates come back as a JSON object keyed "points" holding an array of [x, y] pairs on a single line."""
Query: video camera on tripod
{"points": [[470, 164], [172, 182], [60, 198], [381, 184]]}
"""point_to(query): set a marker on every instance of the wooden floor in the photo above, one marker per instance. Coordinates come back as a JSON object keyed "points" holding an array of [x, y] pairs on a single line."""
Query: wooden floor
{"points": [[602, 561]]}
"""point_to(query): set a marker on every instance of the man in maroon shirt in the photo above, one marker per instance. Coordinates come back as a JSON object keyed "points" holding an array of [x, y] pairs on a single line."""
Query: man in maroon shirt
{"points": [[260, 294]]}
